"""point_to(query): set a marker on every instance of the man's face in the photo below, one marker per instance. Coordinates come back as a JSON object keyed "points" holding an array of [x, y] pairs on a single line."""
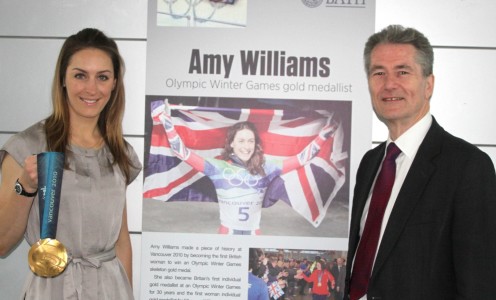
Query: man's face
{"points": [[400, 93]]}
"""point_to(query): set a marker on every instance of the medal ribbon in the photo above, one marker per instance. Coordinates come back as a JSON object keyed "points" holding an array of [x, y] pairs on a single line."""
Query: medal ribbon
{"points": [[50, 170]]}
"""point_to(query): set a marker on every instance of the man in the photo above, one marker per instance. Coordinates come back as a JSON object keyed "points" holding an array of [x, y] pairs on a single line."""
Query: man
{"points": [[290, 269], [339, 272], [305, 268], [257, 288], [438, 233]]}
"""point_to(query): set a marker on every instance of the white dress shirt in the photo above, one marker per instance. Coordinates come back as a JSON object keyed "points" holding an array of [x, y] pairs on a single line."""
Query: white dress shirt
{"points": [[408, 142]]}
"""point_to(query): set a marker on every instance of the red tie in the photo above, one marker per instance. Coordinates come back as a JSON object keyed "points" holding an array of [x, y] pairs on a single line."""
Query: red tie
{"points": [[365, 254]]}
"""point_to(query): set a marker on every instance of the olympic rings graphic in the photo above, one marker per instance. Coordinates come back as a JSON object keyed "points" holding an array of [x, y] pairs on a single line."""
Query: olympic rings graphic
{"points": [[238, 177]]}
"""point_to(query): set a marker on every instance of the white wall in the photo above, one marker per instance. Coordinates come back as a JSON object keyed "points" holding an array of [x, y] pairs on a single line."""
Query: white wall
{"points": [[31, 33], [464, 36]]}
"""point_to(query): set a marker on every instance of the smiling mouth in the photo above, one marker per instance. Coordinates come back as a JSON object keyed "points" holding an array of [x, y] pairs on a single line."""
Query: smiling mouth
{"points": [[89, 101], [391, 99]]}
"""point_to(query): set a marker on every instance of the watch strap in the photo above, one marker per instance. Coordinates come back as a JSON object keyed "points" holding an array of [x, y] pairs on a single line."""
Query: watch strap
{"points": [[21, 191]]}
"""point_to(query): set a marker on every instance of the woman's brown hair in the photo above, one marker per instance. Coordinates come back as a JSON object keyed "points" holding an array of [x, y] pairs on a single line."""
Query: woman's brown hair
{"points": [[57, 125]]}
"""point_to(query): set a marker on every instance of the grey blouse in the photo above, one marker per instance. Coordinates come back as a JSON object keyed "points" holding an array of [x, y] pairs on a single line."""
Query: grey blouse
{"points": [[92, 200]]}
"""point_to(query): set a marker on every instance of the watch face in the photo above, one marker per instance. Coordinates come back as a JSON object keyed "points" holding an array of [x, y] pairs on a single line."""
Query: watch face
{"points": [[18, 188]]}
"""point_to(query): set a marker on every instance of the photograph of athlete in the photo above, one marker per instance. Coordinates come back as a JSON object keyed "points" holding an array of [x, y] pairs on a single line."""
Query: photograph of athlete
{"points": [[243, 166], [242, 174]]}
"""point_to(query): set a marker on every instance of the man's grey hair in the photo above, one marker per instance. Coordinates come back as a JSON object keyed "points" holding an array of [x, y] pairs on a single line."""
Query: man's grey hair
{"points": [[397, 34]]}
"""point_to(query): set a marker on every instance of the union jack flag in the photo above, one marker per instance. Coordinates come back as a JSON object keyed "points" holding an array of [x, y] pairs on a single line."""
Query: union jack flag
{"points": [[309, 189], [275, 291]]}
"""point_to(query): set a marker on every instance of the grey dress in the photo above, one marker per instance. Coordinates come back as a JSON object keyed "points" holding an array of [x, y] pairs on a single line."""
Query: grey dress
{"points": [[90, 215]]}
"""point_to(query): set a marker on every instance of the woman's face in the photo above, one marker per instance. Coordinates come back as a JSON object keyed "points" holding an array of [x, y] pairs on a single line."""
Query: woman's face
{"points": [[89, 83], [243, 144]]}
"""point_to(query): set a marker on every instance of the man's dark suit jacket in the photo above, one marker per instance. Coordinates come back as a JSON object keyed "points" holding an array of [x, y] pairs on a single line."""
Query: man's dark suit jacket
{"points": [[440, 240]]}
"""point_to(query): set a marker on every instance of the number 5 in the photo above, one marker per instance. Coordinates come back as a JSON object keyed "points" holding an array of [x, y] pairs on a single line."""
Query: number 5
{"points": [[243, 214]]}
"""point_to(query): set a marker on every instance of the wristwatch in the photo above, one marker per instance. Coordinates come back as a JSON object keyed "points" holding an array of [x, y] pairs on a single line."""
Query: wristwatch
{"points": [[19, 189]]}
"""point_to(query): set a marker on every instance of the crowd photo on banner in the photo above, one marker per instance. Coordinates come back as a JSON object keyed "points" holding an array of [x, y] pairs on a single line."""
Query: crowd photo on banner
{"points": [[291, 274]]}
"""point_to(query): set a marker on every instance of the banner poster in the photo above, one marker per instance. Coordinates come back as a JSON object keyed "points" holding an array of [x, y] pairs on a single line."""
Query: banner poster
{"points": [[257, 115]]}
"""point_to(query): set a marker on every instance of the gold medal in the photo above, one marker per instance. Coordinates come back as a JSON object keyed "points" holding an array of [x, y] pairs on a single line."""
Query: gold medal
{"points": [[47, 258]]}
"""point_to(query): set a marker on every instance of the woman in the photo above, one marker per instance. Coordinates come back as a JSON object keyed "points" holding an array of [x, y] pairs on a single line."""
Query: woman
{"points": [[320, 278], [257, 288], [85, 125], [242, 175]]}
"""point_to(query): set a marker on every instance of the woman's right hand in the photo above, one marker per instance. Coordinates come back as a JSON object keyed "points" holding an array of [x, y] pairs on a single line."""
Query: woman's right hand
{"points": [[29, 177]]}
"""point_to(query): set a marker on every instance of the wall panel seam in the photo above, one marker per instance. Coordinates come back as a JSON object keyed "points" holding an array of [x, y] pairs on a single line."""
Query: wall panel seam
{"points": [[464, 47], [62, 38]]}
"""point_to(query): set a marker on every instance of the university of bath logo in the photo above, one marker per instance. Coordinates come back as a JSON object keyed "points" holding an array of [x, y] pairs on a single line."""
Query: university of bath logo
{"points": [[335, 3], [346, 3], [312, 3]]}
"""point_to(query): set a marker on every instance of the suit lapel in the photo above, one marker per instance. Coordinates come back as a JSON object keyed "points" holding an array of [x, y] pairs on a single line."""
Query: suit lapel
{"points": [[368, 169], [410, 193]]}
